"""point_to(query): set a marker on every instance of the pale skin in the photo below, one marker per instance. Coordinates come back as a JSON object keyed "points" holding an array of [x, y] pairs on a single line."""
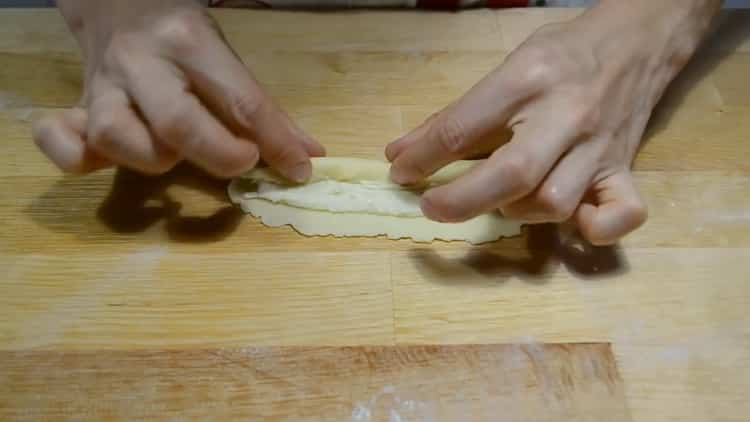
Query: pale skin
{"points": [[162, 86]]}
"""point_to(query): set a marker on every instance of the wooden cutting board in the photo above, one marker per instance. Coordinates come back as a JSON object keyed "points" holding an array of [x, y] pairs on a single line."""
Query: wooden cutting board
{"points": [[120, 269], [526, 382]]}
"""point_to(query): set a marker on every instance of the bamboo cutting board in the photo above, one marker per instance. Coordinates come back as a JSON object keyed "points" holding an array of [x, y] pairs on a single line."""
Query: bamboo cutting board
{"points": [[529, 382], [126, 276]]}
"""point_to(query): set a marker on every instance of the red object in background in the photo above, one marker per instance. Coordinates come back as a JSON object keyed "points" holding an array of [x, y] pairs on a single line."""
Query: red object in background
{"points": [[456, 4], [507, 3]]}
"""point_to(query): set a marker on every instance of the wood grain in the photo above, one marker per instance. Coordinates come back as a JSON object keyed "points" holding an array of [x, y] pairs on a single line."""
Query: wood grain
{"points": [[469, 383], [150, 298], [119, 268]]}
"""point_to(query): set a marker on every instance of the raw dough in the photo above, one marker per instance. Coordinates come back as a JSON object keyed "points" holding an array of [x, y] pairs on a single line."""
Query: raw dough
{"points": [[355, 197], [359, 170]]}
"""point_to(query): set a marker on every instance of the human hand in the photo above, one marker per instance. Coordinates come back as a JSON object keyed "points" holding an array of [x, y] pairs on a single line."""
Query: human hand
{"points": [[577, 97], [162, 85]]}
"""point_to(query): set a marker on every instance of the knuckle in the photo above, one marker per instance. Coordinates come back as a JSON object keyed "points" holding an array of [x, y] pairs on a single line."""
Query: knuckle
{"points": [[191, 144], [177, 129], [540, 67], [245, 109], [103, 131], [586, 116], [554, 205], [182, 30], [540, 73], [518, 171], [171, 124], [121, 50], [452, 136]]}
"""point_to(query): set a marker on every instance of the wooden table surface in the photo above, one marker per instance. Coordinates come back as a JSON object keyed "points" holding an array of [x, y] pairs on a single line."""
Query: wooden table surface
{"points": [[115, 262]]}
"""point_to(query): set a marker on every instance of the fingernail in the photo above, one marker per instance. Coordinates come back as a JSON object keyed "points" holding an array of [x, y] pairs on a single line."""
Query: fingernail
{"points": [[319, 149], [389, 155], [429, 210], [313, 147], [401, 176], [300, 172], [390, 152]]}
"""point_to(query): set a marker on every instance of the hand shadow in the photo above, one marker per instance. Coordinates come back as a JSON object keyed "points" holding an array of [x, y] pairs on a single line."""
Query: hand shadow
{"points": [[97, 205], [137, 202], [731, 29], [546, 249]]}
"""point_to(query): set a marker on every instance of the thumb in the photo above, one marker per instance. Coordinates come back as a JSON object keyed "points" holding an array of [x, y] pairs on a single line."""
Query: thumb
{"points": [[617, 211], [61, 137]]}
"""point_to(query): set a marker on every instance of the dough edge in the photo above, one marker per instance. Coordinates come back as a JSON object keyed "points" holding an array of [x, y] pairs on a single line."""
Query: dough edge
{"points": [[482, 229]]}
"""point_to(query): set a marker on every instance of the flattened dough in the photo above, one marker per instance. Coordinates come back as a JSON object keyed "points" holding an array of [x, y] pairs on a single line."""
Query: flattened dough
{"points": [[307, 216]]}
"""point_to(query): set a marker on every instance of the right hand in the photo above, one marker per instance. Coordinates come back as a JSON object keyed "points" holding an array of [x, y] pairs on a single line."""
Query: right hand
{"points": [[162, 85]]}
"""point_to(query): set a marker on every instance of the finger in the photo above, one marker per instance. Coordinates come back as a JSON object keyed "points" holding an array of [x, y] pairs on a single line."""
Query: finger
{"points": [[395, 148], [222, 81], [451, 135], [557, 198], [480, 149], [314, 149], [512, 172], [116, 132], [178, 119], [61, 138], [618, 210]]}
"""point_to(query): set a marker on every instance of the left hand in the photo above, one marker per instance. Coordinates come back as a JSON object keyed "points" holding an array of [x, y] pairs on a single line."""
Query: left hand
{"points": [[577, 97]]}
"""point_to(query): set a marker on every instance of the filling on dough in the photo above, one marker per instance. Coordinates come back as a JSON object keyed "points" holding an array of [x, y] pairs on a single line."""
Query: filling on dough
{"points": [[355, 197], [337, 197]]}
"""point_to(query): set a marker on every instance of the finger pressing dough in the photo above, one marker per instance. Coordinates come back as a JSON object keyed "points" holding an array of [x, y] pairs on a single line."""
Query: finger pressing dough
{"points": [[355, 197], [358, 170]]}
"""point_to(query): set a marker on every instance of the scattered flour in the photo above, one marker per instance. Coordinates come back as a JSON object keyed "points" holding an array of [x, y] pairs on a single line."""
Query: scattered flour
{"points": [[17, 106], [65, 312], [399, 410]]}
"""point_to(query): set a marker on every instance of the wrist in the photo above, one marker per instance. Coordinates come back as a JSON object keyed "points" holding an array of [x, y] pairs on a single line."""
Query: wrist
{"points": [[668, 31], [94, 22], [72, 12]]}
